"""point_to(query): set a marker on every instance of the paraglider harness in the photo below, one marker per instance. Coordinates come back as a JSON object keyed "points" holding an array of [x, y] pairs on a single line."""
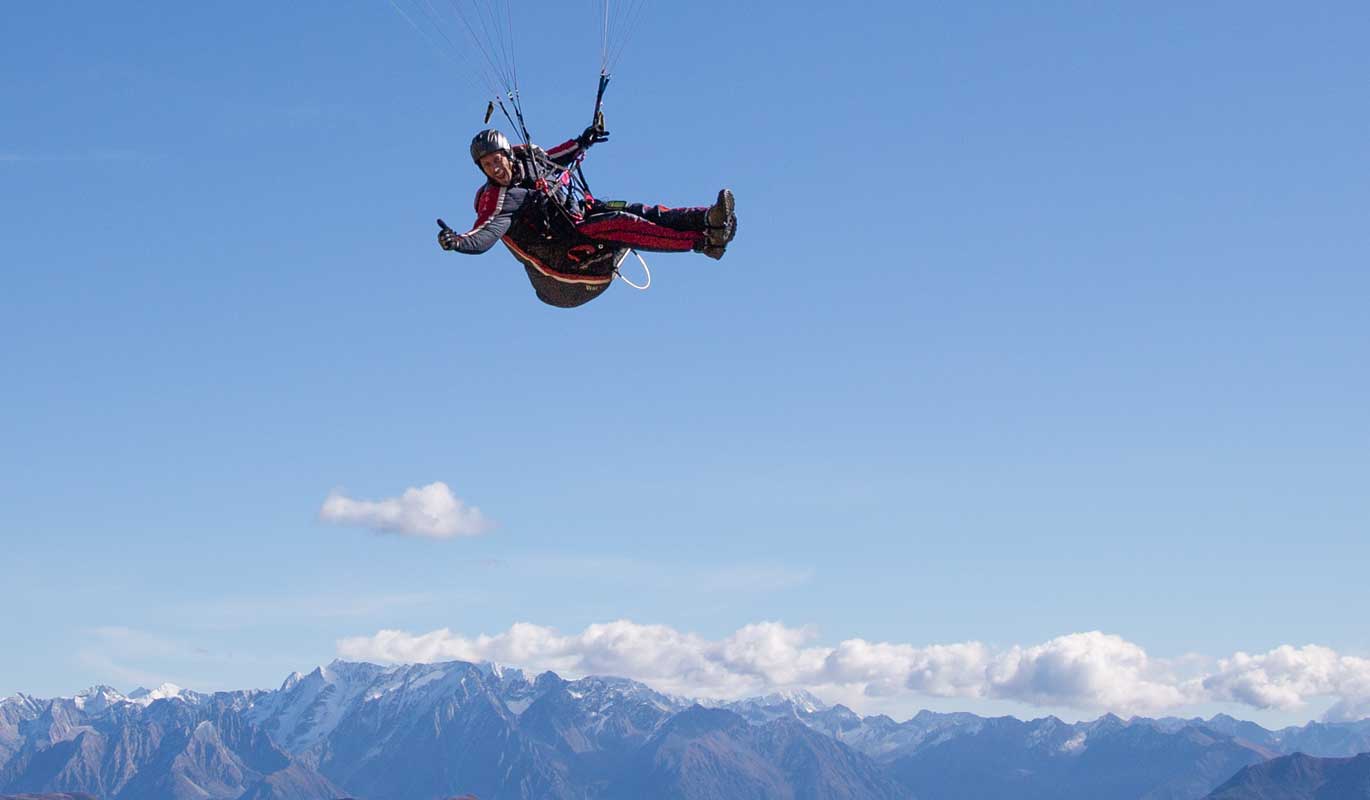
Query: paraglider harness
{"points": [[566, 267]]}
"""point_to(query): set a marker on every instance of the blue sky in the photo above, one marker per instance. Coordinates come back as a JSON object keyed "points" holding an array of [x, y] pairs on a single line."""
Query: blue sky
{"points": [[1040, 321]]}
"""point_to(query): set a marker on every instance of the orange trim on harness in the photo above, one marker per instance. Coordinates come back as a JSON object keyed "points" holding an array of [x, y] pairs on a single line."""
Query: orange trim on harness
{"points": [[553, 274]]}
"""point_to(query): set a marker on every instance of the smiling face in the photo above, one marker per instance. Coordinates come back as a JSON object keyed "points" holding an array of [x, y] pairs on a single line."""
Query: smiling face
{"points": [[497, 167]]}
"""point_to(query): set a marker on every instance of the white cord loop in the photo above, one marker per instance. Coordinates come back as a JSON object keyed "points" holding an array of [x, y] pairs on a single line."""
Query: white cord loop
{"points": [[645, 269]]}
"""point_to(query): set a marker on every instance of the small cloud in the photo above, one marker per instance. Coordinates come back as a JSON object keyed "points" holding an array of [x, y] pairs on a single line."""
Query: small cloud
{"points": [[430, 512]]}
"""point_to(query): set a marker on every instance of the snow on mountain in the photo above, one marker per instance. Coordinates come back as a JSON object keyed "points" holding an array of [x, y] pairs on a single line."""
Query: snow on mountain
{"points": [[14, 712], [881, 738], [878, 737], [501, 673], [799, 699], [97, 699], [1106, 723], [1048, 732], [166, 691], [21, 704], [511, 684], [291, 681], [791, 704], [600, 694], [308, 707], [1075, 744]]}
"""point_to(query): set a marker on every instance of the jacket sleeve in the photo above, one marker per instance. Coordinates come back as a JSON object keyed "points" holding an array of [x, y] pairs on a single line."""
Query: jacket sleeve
{"points": [[566, 152], [493, 218]]}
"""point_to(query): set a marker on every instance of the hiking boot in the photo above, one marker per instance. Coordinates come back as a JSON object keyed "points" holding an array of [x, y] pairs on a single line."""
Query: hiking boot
{"points": [[722, 210], [719, 220]]}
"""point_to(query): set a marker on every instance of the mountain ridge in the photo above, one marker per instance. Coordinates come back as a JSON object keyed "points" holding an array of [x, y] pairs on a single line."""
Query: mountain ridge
{"points": [[429, 730]]}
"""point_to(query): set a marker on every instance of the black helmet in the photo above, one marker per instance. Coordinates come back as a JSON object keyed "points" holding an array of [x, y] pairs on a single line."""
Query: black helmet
{"points": [[487, 142]]}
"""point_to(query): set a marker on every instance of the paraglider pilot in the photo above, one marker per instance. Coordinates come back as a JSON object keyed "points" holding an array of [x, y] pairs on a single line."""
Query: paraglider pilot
{"points": [[567, 245]]}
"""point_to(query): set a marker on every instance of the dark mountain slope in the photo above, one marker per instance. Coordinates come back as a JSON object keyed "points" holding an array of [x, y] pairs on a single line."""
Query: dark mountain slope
{"points": [[1300, 777]]}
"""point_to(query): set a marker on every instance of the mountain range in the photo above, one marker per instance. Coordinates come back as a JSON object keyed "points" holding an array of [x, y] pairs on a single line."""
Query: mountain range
{"points": [[438, 730]]}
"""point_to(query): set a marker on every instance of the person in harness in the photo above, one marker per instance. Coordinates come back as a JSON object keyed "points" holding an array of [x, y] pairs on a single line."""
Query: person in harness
{"points": [[572, 248]]}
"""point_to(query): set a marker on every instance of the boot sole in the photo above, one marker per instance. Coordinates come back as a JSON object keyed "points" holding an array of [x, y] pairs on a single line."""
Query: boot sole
{"points": [[726, 204]]}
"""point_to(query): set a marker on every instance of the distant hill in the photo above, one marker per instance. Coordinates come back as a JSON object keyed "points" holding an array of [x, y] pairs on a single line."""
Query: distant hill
{"points": [[1300, 777]]}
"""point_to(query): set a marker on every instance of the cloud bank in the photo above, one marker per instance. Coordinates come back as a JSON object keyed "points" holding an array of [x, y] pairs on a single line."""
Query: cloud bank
{"points": [[430, 512], [1091, 671], [1286, 677]]}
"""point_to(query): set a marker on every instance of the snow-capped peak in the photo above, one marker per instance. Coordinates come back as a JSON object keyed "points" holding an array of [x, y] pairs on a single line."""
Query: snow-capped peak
{"points": [[492, 669], [800, 699], [146, 697], [97, 699], [21, 701], [309, 706], [503, 676], [339, 671]]}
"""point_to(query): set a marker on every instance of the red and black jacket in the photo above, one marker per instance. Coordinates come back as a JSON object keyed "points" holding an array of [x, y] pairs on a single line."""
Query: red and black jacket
{"points": [[566, 267], [497, 206]]}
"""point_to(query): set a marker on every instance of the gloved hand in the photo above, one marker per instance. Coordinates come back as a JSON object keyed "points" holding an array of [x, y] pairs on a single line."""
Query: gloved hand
{"points": [[593, 135], [448, 239]]}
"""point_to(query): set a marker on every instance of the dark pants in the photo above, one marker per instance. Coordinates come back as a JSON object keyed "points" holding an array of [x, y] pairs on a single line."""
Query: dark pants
{"points": [[650, 228]]}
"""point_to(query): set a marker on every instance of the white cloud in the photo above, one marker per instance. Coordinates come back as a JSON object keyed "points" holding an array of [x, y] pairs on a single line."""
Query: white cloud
{"points": [[1287, 677], [1091, 671], [1350, 709], [882, 669], [431, 512], [672, 661], [1085, 670]]}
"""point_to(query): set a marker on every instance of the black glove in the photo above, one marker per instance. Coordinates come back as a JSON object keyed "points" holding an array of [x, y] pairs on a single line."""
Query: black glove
{"points": [[448, 239], [592, 135]]}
